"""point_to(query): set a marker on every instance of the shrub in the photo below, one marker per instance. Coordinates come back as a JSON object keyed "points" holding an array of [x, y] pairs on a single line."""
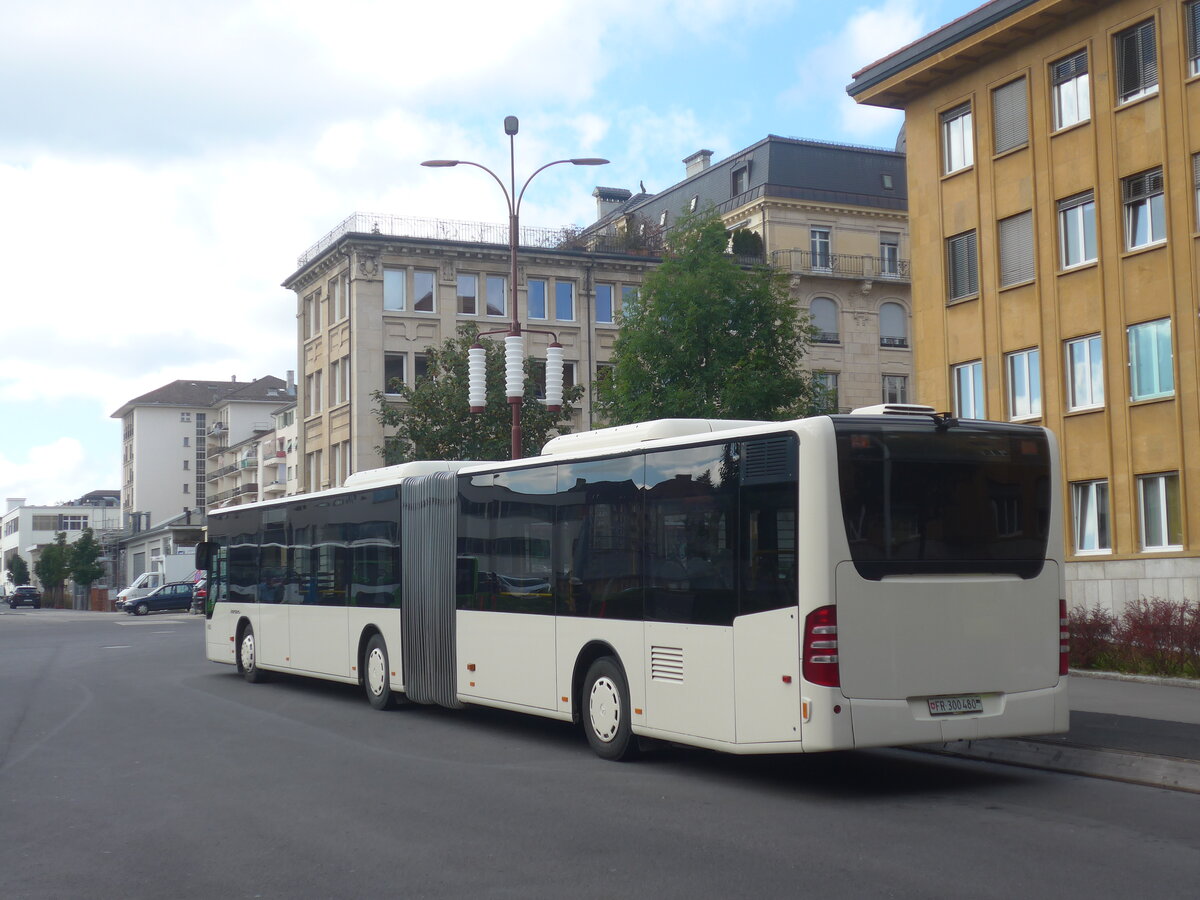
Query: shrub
{"points": [[1151, 637]]}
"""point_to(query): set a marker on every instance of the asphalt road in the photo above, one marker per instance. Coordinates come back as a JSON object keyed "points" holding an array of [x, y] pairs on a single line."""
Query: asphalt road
{"points": [[131, 767]]}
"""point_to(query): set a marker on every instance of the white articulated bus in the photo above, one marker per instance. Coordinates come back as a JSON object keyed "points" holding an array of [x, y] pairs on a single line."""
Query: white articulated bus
{"points": [[880, 578]]}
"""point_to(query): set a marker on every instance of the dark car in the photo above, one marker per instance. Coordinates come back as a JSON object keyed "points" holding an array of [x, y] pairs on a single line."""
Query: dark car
{"points": [[173, 595], [25, 595]]}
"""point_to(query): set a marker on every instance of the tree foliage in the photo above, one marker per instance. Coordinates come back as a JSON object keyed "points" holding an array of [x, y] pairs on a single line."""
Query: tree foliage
{"points": [[54, 565], [18, 570], [433, 420], [85, 569], [709, 338]]}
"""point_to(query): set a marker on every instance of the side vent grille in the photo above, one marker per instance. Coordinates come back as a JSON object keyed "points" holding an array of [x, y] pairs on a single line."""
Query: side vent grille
{"points": [[666, 664], [769, 460]]}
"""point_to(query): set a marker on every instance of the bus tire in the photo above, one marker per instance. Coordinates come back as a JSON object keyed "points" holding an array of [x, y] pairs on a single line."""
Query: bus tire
{"points": [[376, 677], [247, 656], [606, 712]]}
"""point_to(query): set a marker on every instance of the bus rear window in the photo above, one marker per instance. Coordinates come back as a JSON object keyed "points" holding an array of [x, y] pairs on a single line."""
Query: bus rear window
{"points": [[923, 500]]}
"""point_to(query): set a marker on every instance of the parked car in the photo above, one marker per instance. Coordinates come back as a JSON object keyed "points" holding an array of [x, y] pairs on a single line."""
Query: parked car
{"points": [[25, 595], [174, 595]]}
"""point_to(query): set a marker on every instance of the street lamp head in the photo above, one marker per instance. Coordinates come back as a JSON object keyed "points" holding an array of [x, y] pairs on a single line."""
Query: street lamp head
{"points": [[510, 125], [588, 161], [440, 163]]}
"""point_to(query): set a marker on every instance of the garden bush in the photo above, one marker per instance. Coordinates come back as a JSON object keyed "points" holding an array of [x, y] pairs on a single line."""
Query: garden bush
{"points": [[1151, 637]]}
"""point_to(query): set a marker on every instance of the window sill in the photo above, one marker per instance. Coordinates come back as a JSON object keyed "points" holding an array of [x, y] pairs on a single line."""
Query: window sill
{"points": [[947, 175], [1084, 410], [1146, 401], [1079, 267], [1144, 248], [1016, 284], [1092, 554], [1010, 151], [1174, 548], [955, 301], [1025, 420], [1134, 101], [1072, 127]]}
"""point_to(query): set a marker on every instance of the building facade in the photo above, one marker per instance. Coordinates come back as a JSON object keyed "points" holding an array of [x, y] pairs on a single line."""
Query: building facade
{"points": [[1054, 170], [835, 218], [259, 467], [378, 291], [26, 530]]}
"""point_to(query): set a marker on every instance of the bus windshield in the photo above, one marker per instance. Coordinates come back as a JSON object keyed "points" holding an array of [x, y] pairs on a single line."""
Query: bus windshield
{"points": [[924, 500]]}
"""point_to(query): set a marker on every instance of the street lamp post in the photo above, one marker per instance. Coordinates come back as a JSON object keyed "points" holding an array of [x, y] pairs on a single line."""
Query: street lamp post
{"points": [[513, 342]]}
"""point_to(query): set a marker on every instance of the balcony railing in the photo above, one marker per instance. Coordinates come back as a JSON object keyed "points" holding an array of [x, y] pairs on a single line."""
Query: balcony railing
{"points": [[885, 341], [825, 337], [842, 265]]}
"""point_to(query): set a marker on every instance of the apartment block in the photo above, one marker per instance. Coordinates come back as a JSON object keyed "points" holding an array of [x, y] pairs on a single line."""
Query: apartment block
{"points": [[1054, 174]]}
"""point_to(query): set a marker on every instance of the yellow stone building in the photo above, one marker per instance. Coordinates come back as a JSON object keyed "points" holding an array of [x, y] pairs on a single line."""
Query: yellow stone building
{"points": [[1054, 181]]}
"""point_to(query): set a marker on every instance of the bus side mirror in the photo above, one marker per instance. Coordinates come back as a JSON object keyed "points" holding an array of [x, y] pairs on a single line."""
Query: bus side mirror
{"points": [[204, 554]]}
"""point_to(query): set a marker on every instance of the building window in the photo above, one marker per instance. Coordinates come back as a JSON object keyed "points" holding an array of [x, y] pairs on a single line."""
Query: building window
{"points": [[564, 301], [185, 417], [537, 371], [1072, 99], [1085, 373], [1089, 512], [962, 266], [1196, 184], [968, 390], [312, 314], [394, 365], [187, 487], [468, 293], [1077, 230], [187, 465], [827, 382], [187, 441], [393, 289], [339, 381], [536, 302], [1010, 116], [1151, 369], [1145, 210], [604, 303], [497, 293], [662, 219], [741, 180], [629, 296], [1024, 384], [958, 150], [1161, 519], [889, 253], [824, 315], [893, 325], [420, 367], [693, 203], [1136, 62], [895, 388], [1191, 12], [818, 241], [1016, 249], [887, 182], [423, 282]]}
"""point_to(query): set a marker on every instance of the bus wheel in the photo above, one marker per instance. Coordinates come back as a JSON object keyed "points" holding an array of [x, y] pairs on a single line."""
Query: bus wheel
{"points": [[376, 678], [247, 663], [606, 711]]}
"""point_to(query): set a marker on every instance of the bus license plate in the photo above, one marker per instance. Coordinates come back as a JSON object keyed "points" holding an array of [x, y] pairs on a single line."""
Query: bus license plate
{"points": [[955, 706]]}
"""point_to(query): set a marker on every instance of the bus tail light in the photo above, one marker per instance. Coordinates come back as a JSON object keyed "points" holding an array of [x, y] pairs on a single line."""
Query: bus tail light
{"points": [[821, 647], [1064, 638]]}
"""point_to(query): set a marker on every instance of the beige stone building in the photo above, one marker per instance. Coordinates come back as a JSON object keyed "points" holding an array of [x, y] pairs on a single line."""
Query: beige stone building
{"points": [[1054, 169], [378, 291], [836, 218]]}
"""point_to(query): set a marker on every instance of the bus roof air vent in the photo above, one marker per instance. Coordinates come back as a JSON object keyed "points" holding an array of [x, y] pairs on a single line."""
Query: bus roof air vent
{"points": [[894, 409], [637, 433]]}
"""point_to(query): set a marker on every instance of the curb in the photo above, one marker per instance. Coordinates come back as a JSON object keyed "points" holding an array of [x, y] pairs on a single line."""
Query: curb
{"points": [[1167, 772]]}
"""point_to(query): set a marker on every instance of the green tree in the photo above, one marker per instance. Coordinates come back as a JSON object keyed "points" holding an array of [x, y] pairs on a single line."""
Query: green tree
{"points": [[434, 422], [18, 570], [85, 570], [709, 338], [53, 567]]}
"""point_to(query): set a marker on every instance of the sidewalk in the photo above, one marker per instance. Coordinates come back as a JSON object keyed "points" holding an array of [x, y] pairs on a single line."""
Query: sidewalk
{"points": [[1124, 727]]}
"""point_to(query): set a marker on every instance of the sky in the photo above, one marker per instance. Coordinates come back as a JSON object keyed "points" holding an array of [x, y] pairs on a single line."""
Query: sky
{"points": [[163, 164]]}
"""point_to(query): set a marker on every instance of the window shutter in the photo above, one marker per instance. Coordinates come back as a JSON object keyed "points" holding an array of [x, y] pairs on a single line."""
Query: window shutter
{"points": [[1196, 170], [1016, 249], [1138, 60], [1070, 68], [1010, 119], [1192, 16], [1139, 187], [962, 266]]}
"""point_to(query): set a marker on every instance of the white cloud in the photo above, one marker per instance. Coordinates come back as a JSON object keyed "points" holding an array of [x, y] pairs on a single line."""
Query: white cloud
{"points": [[50, 472], [868, 35]]}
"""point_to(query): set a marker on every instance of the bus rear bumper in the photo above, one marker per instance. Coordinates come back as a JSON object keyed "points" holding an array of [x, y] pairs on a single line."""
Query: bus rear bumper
{"points": [[881, 723]]}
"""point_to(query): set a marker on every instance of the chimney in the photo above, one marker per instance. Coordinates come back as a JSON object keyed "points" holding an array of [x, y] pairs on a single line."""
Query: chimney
{"points": [[609, 199], [697, 162]]}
